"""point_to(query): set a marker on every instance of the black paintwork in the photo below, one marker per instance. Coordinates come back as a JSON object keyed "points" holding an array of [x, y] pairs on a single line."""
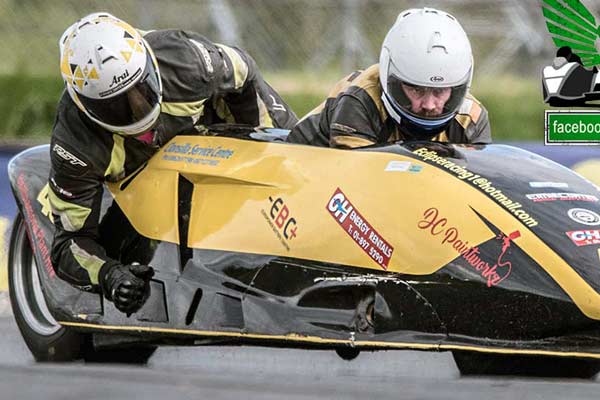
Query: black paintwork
{"points": [[207, 290]]}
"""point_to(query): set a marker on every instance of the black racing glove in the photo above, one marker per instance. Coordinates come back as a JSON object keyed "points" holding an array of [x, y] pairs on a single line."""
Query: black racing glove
{"points": [[127, 286]]}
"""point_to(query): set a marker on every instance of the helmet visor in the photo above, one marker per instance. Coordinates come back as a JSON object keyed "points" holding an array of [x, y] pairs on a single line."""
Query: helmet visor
{"points": [[423, 102], [131, 106]]}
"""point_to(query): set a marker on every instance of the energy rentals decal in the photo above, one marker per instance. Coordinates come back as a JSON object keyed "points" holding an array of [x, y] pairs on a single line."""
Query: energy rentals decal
{"points": [[359, 229]]}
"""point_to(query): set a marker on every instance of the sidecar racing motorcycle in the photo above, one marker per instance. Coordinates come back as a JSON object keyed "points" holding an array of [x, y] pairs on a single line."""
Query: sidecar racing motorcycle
{"points": [[490, 252]]}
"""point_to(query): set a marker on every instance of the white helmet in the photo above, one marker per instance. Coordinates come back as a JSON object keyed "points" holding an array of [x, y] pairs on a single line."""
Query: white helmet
{"points": [[111, 74], [429, 50]]}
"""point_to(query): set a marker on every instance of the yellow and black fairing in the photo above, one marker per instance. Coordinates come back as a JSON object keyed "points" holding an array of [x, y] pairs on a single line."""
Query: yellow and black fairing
{"points": [[250, 245]]}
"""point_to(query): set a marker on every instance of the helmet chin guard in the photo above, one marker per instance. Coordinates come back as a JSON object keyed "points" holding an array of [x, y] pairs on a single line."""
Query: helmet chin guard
{"points": [[415, 128]]}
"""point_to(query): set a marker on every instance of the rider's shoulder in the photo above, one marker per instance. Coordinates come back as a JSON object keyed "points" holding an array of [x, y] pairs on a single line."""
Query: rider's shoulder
{"points": [[471, 111]]}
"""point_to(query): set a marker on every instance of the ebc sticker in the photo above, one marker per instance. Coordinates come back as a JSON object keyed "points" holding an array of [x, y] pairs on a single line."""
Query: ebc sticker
{"points": [[359, 229], [281, 221], [584, 237], [583, 216]]}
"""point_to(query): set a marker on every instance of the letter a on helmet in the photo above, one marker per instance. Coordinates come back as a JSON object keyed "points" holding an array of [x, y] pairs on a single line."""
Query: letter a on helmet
{"points": [[111, 74]]}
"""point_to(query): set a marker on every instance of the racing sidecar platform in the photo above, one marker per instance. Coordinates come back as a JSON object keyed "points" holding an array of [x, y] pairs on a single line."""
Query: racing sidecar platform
{"points": [[491, 252]]}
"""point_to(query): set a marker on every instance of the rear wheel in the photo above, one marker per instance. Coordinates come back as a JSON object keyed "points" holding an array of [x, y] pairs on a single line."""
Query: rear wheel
{"points": [[472, 363], [45, 338]]}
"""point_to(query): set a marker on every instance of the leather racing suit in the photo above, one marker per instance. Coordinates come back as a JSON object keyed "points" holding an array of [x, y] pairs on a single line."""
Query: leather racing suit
{"points": [[203, 83], [354, 115]]}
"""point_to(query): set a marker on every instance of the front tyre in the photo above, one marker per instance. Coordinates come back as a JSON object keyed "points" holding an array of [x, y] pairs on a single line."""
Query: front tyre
{"points": [[45, 338]]}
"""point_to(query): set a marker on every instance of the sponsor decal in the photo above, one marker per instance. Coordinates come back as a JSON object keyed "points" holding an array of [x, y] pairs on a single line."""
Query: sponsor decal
{"points": [[281, 221], [275, 105], [584, 238], [583, 216], [398, 166], [119, 82], [553, 185], [480, 183], [542, 197], [65, 155], [402, 166], [493, 272], [359, 229], [60, 190], [205, 56], [35, 233], [118, 78], [196, 154]]}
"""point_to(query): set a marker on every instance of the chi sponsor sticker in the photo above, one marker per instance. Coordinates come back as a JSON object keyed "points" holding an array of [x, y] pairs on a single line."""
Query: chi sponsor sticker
{"points": [[542, 197], [583, 216], [584, 237], [359, 229]]}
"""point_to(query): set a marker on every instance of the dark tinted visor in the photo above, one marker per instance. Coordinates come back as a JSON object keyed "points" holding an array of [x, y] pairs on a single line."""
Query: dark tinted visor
{"points": [[453, 96], [131, 106]]}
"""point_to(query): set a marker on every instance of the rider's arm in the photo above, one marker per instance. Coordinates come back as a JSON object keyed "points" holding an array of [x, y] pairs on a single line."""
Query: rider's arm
{"points": [[247, 97], [482, 133], [75, 194], [472, 124], [351, 124]]}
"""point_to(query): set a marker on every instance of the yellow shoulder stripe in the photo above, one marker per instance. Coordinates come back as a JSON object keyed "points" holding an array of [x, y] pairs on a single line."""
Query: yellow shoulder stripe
{"points": [[116, 168], [349, 142], [191, 109], [463, 120], [442, 137], [471, 107], [239, 65]]}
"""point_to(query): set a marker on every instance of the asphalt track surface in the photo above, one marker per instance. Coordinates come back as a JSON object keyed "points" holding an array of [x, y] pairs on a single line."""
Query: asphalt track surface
{"points": [[257, 372], [265, 373]]}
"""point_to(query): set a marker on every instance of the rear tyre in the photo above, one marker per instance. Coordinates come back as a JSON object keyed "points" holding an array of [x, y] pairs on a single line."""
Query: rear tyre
{"points": [[472, 363], [45, 338]]}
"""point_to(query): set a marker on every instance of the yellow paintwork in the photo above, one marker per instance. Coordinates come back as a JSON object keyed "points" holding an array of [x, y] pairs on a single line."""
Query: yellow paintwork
{"points": [[230, 207], [229, 197], [151, 204], [589, 169]]}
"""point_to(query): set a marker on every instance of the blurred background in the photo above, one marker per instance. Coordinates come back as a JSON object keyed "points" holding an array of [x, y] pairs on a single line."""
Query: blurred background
{"points": [[302, 46]]}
